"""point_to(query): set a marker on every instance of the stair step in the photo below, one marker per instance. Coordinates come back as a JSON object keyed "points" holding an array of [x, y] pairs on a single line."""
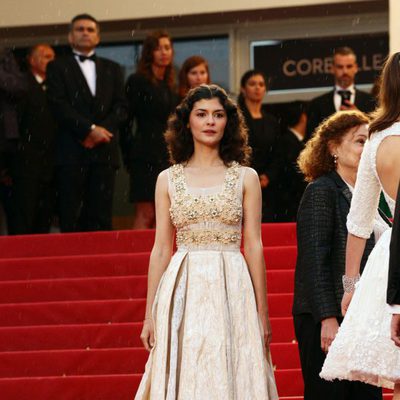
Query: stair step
{"points": [[72, 362], [280, 281], [118, 264], [72, 312], [37, 291], [101, 288], [58, 337], [76, 243], [62, 267], [289, 382], [102, 311], [128, 241], [91, 361], [280, 257], [110, 387]]}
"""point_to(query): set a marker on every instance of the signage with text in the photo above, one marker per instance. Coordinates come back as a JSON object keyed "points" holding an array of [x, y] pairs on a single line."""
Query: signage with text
{"points": [[306, 63]]}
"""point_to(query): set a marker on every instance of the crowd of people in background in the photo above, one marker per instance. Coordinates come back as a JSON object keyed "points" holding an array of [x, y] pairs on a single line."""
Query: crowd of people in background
{"points": [[65, 123]]}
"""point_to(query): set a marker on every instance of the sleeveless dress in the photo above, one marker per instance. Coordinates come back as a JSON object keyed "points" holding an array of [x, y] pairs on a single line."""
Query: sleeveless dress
{"points": [[362, 349], [208, 336]]}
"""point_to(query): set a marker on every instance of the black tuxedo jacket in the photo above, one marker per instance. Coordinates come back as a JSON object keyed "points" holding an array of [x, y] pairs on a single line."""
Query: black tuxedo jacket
{"points": [[35, 156], [393, 292], [75, 109], [290, 181], [323, 106]]}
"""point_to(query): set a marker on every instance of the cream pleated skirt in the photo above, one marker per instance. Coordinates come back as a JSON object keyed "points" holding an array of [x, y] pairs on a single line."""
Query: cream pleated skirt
{"points": [[208, 337]]}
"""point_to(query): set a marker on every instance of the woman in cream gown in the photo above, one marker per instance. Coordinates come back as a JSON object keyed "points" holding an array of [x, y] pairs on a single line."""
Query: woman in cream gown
{"points": [[206, 323], [362, 349]]}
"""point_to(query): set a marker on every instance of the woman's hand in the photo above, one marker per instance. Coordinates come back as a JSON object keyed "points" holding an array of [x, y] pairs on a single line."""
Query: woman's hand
{"points": [[329, 328], [266, 328], [147, 335], [346, 302]]}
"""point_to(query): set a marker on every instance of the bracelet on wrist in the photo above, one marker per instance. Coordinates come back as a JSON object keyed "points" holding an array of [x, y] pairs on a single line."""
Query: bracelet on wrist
{"points": [[349, 283]]}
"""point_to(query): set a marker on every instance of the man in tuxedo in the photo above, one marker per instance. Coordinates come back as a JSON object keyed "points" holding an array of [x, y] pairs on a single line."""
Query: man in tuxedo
{"points": [[290, 181], [393, 292], [86, 94], [344, 95], [33, 186]]}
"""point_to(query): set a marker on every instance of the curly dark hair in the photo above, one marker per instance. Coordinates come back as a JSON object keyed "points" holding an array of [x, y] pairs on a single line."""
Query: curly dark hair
{"points": [[316, 159], [144, 67], [233, 146]]}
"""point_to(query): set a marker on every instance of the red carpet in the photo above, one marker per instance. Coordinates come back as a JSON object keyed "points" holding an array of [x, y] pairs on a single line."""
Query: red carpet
{"points": [[71, 308]]}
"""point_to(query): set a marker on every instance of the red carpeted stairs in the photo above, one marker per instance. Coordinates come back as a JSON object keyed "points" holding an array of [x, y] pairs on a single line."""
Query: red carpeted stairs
{"points": [[71, 308]]}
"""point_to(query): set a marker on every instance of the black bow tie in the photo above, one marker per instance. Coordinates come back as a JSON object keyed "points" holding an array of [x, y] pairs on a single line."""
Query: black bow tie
{"points": [[83, 58], [346, 94]]}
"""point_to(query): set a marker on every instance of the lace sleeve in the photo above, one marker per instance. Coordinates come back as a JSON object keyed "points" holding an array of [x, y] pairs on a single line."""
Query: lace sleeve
{"points": [[360, 220]]}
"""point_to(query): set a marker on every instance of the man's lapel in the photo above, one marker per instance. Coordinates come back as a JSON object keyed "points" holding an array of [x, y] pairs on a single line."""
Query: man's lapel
{"points": [[330, 105], [100, 81]]}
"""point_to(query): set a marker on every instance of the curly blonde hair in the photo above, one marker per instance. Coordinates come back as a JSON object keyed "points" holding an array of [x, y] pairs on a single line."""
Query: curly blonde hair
{"points": [[316, 159]]}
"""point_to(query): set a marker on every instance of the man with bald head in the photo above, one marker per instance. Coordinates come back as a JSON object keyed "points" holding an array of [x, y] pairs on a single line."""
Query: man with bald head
{"points": [[34, 190]]}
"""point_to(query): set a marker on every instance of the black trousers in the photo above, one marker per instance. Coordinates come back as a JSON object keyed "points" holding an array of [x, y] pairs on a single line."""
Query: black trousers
{"points": [[7, 173], [85, 195], [308, 335], [33, 203]]}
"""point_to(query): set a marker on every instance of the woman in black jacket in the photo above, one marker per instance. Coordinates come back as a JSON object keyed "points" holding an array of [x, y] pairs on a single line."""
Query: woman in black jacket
{"points": [[329, 162], [263, 135], [152, 98]]}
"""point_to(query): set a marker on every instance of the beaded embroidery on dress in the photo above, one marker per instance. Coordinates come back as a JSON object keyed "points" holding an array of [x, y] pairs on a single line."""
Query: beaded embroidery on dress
{"points": [[362, 349], [208, 337]]}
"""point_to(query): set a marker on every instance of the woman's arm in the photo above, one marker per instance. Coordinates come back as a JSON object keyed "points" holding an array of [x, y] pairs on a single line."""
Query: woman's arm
{"points": [[160, 254], [316, 221], [360, 221], [354, 252], [253, 248]]}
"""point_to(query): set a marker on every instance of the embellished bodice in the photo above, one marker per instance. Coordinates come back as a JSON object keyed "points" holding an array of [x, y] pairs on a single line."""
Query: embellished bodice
{"points": [[207, 218]]}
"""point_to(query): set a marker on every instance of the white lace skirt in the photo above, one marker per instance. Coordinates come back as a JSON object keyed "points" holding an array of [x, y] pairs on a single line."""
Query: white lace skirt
{"points": [[362, 349]]}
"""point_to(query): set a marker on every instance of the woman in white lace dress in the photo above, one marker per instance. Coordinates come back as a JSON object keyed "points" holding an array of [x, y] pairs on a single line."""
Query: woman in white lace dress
{"points": [[206, 322], [362, 349]]}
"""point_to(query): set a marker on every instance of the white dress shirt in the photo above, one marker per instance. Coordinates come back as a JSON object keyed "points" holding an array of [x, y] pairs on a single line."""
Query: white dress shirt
{"points": [[298, 135], [38, 78], [88, 68], [337, 99]]}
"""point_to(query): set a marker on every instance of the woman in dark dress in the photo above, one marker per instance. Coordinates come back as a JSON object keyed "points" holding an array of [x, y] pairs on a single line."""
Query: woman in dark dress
{"points": [[330, 163], [263, 135], [152, 98]]}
